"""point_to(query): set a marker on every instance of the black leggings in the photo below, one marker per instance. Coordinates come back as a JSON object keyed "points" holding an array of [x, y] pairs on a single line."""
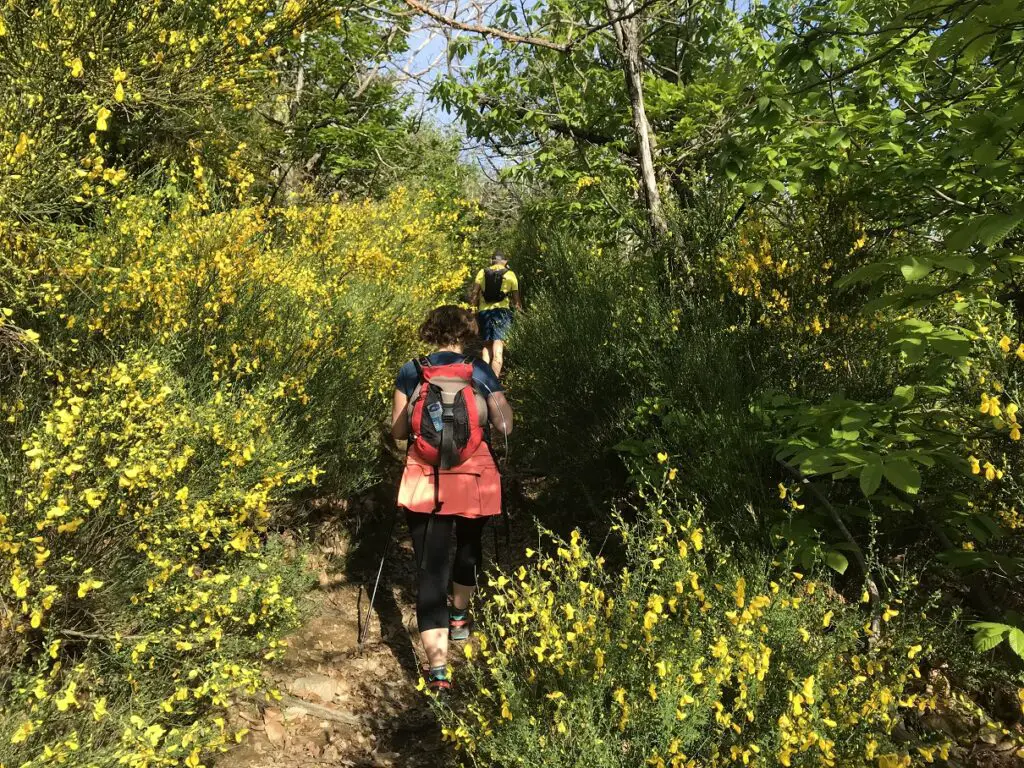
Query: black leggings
{"points": [[432, 551]]}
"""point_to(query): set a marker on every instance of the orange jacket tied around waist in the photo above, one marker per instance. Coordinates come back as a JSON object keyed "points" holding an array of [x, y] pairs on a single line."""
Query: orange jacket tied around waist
{"points": [[471, 489]]}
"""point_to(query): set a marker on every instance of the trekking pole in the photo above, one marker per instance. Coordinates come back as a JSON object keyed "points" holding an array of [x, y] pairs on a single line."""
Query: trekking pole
{"points": [[497, 553], [376, 583]]}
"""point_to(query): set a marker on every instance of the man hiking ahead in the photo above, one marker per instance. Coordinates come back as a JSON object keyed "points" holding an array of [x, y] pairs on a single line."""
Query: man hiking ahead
{"points": [[495, 294]]}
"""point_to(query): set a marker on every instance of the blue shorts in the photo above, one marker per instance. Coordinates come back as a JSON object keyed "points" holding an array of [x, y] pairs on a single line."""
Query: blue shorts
{"points": [[494, 324]]}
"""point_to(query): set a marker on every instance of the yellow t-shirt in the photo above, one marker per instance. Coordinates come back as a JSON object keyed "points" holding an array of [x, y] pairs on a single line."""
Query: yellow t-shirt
{"points": [[509, 283]]}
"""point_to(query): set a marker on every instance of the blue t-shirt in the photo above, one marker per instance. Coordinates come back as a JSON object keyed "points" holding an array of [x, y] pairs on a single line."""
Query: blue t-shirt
{"points": [[484, 380]]}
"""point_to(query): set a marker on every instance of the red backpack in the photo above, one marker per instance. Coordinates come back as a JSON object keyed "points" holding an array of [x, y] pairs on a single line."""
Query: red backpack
{"points": [[447, 415]]}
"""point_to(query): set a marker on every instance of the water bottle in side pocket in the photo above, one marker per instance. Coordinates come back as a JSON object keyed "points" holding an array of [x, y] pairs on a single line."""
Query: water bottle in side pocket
{"points": [[434, 410]]}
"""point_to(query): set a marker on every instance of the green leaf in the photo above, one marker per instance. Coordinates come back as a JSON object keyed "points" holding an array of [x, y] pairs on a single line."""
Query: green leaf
{"points": [[777, 185], [753, 187], [837, 561], [985, 153], [855, 419], [991, 229], [820, 462], [846, 435], [903, 475], [997, 227], [836, 136], [982, 626], [978, 560], [903, 396], [963, 237], [960, 264], [1016, 640], [911, 346], [807, 557], [978, 48], [897, 116], [916, 269], [978, 531], [864, 274], [988, 638], [871, 478], [950, 343]]}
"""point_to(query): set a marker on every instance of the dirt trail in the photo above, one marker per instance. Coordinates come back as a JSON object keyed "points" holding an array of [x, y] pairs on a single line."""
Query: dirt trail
{"points": [[346, 706], [342, 706]]}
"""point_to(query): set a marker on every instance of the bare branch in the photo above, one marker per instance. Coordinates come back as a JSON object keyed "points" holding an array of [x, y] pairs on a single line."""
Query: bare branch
{"points": [[539, 42], [482, 29]]}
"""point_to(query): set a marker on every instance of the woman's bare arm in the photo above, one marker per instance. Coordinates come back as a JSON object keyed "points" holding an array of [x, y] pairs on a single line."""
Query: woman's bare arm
{"points": [[499, 413], [399, 417]]}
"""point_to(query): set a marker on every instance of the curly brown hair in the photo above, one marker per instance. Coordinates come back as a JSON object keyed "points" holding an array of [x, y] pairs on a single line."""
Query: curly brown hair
{"points": [[449, 326]]}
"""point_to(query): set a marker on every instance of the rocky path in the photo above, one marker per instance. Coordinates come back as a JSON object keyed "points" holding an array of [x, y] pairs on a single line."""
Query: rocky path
{"points": [[341, 705]]}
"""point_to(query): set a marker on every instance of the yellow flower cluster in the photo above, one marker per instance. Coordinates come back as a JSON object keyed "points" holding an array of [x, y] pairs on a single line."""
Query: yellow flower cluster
{"points": [[1006, 345], [133, 494], [170, 365], [754, 266], [680, 659], [177, 70], [1002, 418], [259, 293], [789, 284]]}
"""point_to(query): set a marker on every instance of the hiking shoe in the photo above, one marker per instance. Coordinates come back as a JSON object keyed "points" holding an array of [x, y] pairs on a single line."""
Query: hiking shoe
{"points": [[438, 682], [458, 625]]}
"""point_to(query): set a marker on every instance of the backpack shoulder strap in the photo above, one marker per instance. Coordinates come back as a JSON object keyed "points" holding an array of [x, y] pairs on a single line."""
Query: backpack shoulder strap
{"points": [[472, 361], [420, 363]]}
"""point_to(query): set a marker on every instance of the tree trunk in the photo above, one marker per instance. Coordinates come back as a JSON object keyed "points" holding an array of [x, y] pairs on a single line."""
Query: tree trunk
{"points": [[289, 170], [627, 36], [294, 176]]}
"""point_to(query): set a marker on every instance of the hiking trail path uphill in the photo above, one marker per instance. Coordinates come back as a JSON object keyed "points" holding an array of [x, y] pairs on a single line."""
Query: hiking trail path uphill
{"points": [[341, 705]]}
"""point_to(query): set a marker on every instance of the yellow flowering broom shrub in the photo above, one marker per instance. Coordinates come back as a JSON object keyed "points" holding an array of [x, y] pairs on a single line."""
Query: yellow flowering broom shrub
{"points": [[135, 578], [178, 360], [96, 89], [685, 655], [175, 377], [894, 370], [318, 303]]}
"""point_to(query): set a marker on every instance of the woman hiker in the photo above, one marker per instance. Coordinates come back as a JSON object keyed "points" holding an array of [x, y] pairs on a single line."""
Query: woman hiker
{"points": [[443, 404]]}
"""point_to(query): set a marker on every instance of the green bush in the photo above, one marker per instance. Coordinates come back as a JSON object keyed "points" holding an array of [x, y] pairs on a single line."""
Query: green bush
{"points": [[610, 369]]}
